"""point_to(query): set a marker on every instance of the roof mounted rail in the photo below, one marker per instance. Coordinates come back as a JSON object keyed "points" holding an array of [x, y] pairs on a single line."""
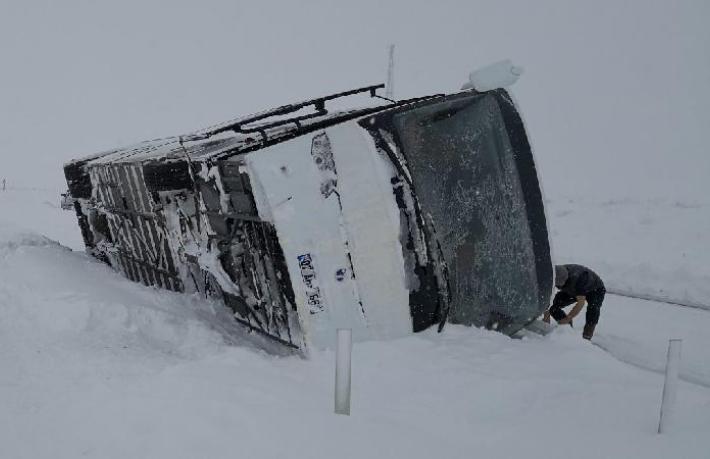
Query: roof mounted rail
{"points": [[238, 124]]}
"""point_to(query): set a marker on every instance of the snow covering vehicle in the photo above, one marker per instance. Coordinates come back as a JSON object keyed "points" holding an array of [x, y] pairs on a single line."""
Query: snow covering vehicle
{"points": [[387, 219]]}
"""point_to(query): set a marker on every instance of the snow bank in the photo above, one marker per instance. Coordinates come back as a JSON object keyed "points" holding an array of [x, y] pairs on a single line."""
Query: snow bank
{"points": [[12, 237], [37, 211], [92, 365]]}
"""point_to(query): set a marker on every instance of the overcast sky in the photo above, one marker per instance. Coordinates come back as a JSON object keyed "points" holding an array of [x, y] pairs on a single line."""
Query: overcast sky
{"points": [[615, 94]]}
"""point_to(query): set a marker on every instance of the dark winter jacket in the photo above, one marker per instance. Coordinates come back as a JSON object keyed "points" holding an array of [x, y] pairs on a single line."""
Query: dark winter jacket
{"points": [[581, 281]]}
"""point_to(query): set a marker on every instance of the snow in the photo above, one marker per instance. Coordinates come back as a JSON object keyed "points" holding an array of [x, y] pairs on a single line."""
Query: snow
{"points": [[93, 365], [653, 246], [637, 332]]}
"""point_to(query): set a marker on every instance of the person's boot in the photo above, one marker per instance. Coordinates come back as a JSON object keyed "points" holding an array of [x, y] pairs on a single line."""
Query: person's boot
{"points": [[588, 331]]}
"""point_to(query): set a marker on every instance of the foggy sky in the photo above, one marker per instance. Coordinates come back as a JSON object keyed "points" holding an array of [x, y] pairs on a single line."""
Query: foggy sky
{"points": [[614, 94]]}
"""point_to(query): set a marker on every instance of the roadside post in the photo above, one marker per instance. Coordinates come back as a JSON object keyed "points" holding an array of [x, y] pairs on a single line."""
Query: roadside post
{"points": [[343, 353], [670, 384]]}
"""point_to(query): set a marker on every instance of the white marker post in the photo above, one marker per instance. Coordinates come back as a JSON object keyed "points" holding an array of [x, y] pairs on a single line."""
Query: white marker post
{"points": [[389, 87], [342, 371], [670, 385]]}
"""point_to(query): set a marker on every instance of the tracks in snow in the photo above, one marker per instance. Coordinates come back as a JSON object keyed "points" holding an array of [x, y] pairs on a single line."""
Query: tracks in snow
{"points": [[658, 299]]}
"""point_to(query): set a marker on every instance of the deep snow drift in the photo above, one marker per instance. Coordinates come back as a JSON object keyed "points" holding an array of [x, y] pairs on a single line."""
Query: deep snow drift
{"points": [[92, 365]]}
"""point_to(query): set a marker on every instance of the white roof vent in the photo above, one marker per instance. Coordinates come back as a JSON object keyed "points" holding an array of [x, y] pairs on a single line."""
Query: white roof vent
{"points": [[498, 75]]}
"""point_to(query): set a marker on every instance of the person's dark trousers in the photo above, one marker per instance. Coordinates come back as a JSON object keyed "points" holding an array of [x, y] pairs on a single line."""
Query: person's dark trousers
{"points": [[594, 304], [560, 301]]}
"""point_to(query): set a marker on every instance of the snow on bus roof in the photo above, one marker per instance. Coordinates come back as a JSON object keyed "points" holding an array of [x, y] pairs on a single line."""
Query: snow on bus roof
{"points": [[245, 133], [200, 145]]}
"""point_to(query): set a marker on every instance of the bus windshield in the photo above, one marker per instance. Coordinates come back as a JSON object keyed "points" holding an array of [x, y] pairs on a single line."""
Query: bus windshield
{"points": [[465, 176]]}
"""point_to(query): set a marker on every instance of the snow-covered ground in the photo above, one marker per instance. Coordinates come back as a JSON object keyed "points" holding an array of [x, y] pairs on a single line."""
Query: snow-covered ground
{"points": [[654, 247], [92, 365]]}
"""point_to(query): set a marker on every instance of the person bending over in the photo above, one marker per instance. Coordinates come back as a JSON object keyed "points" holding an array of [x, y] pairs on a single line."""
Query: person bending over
{"points": [[577, 284]]}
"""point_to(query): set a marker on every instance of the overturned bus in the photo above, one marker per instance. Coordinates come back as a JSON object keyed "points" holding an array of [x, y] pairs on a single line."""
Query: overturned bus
{"points": [[387, 220]]}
